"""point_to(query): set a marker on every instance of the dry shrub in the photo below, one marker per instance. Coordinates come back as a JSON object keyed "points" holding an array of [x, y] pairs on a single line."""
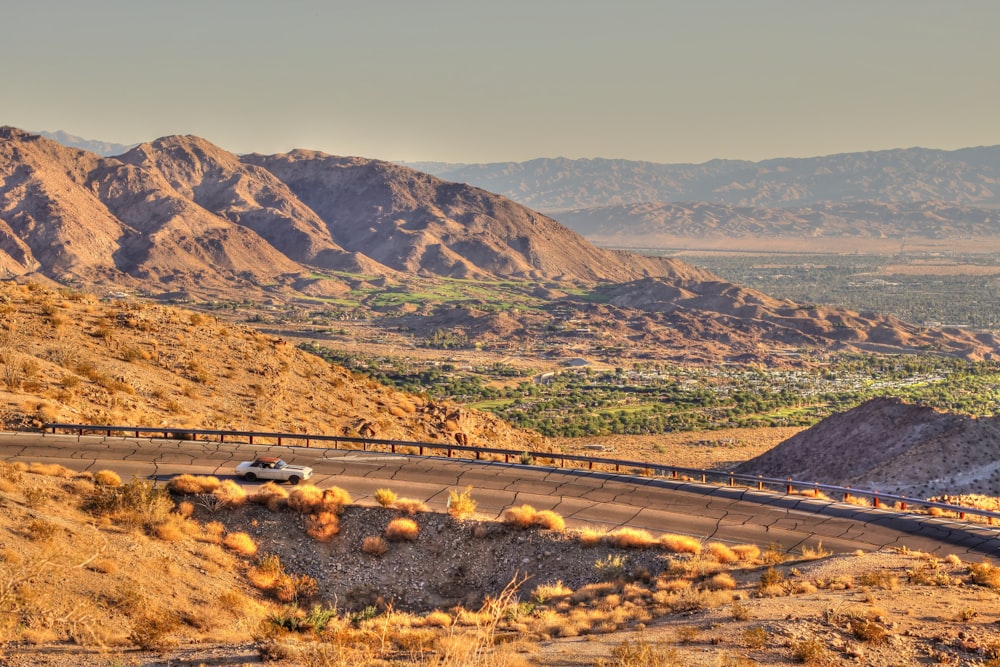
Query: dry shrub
{"points": [[410, 506], [107, 478], [550, 520], [630, 538], [721, 582], [879, 579], [747, 552], [402, 529], [953, 560], [385, 497], [813, 553], [271, 495], [461, 504], [519, 517], [230, 494], [169, 531], [438, 619], [185, 508], [241, 543], [985, 574], [590, 537], [721, 553], [547, 592], [193, 484], [680, 544], [50, 470], [335, 499], [305, 499], [373, 545], [322, 526]]}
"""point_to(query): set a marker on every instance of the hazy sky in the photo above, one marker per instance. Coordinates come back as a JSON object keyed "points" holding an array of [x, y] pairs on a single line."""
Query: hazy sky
{"points": [[475, 81]]}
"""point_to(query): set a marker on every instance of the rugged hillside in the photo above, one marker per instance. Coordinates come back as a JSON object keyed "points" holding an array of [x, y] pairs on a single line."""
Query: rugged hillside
{"points": [[968, 177], [181, 214], [891, 446], [67, 357], [417, 223], [832, 226]]}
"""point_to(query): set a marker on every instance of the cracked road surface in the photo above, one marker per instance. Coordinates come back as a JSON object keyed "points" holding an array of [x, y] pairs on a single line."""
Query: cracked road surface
{"points": [[583, 498]]}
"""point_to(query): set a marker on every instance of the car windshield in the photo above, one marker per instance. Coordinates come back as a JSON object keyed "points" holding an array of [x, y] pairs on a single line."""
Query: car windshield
{"points": [[280, 464]]}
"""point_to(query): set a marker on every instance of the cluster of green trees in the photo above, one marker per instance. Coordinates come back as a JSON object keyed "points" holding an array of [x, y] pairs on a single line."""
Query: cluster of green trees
{"points": [[658, 398]]}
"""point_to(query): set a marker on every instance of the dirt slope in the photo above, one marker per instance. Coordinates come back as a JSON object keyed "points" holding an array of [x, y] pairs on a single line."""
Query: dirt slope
{"points": [[67, 357]]}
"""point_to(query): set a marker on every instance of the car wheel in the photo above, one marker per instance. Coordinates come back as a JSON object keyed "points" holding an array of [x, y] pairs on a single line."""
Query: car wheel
{"points": [[294, 479], [249, 477]]}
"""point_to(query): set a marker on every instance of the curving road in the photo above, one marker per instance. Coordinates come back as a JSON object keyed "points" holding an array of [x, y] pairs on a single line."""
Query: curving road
{"points": [[734, 515]]}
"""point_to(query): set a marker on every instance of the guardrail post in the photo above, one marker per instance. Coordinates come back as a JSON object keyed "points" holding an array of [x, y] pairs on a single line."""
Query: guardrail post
{"points": [[760, 482], [704, 478], [477, 454], [902, 505], [421, 450], [732, 479], [673, 474], [251, 439], [307, 442], [875, 501], [788, 489], [847, 495], [591, 464], [961, 515], [279, 441], [449, 453]]}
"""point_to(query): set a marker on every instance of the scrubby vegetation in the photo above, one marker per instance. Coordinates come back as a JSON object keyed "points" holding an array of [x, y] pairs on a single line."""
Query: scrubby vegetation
{"points": [[252, 591]]}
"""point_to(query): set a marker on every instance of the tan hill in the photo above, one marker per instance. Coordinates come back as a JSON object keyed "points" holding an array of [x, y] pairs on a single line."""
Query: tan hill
{"points": [[826, 227], [891, 446], [182, 214], [67, 357], [416, 223]]}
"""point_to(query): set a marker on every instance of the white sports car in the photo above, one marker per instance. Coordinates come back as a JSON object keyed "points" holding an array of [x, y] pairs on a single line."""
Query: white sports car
{"points": [[273, 468]]}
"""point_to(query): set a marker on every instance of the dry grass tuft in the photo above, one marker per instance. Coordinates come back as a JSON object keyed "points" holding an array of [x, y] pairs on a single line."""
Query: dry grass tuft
{"points": [[631, 538], [590, 537], [230, 494], [549, 520], [402, 529], [193, 484], [50, 470], [680, 544], [322, 526], [240, 543], [721, 582], [985, 574], [374, 545], [305, 499], [107, 478], [747, 552], [271, 495], [410, 506], [385, 497], [721, 553], [522, 516]]}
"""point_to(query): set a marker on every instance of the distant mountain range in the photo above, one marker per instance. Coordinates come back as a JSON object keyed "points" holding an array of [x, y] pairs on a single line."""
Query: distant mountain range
{"points": [[873, 201], [179, 215], [103, 148]]}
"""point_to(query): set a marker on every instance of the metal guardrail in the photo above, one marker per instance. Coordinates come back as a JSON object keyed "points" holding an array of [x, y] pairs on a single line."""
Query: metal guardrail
{"points": [[787, 486]]}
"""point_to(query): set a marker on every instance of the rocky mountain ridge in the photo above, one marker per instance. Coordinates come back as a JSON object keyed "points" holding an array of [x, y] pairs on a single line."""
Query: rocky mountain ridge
{"points": [[892, 446]]}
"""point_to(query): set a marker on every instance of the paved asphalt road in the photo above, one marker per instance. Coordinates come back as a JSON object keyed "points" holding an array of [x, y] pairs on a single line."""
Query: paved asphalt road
{"points": [[734, 515]]}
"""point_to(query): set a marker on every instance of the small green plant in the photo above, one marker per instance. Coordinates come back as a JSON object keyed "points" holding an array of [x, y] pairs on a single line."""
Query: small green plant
{"points": [[527, 459], [611, 567]]}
